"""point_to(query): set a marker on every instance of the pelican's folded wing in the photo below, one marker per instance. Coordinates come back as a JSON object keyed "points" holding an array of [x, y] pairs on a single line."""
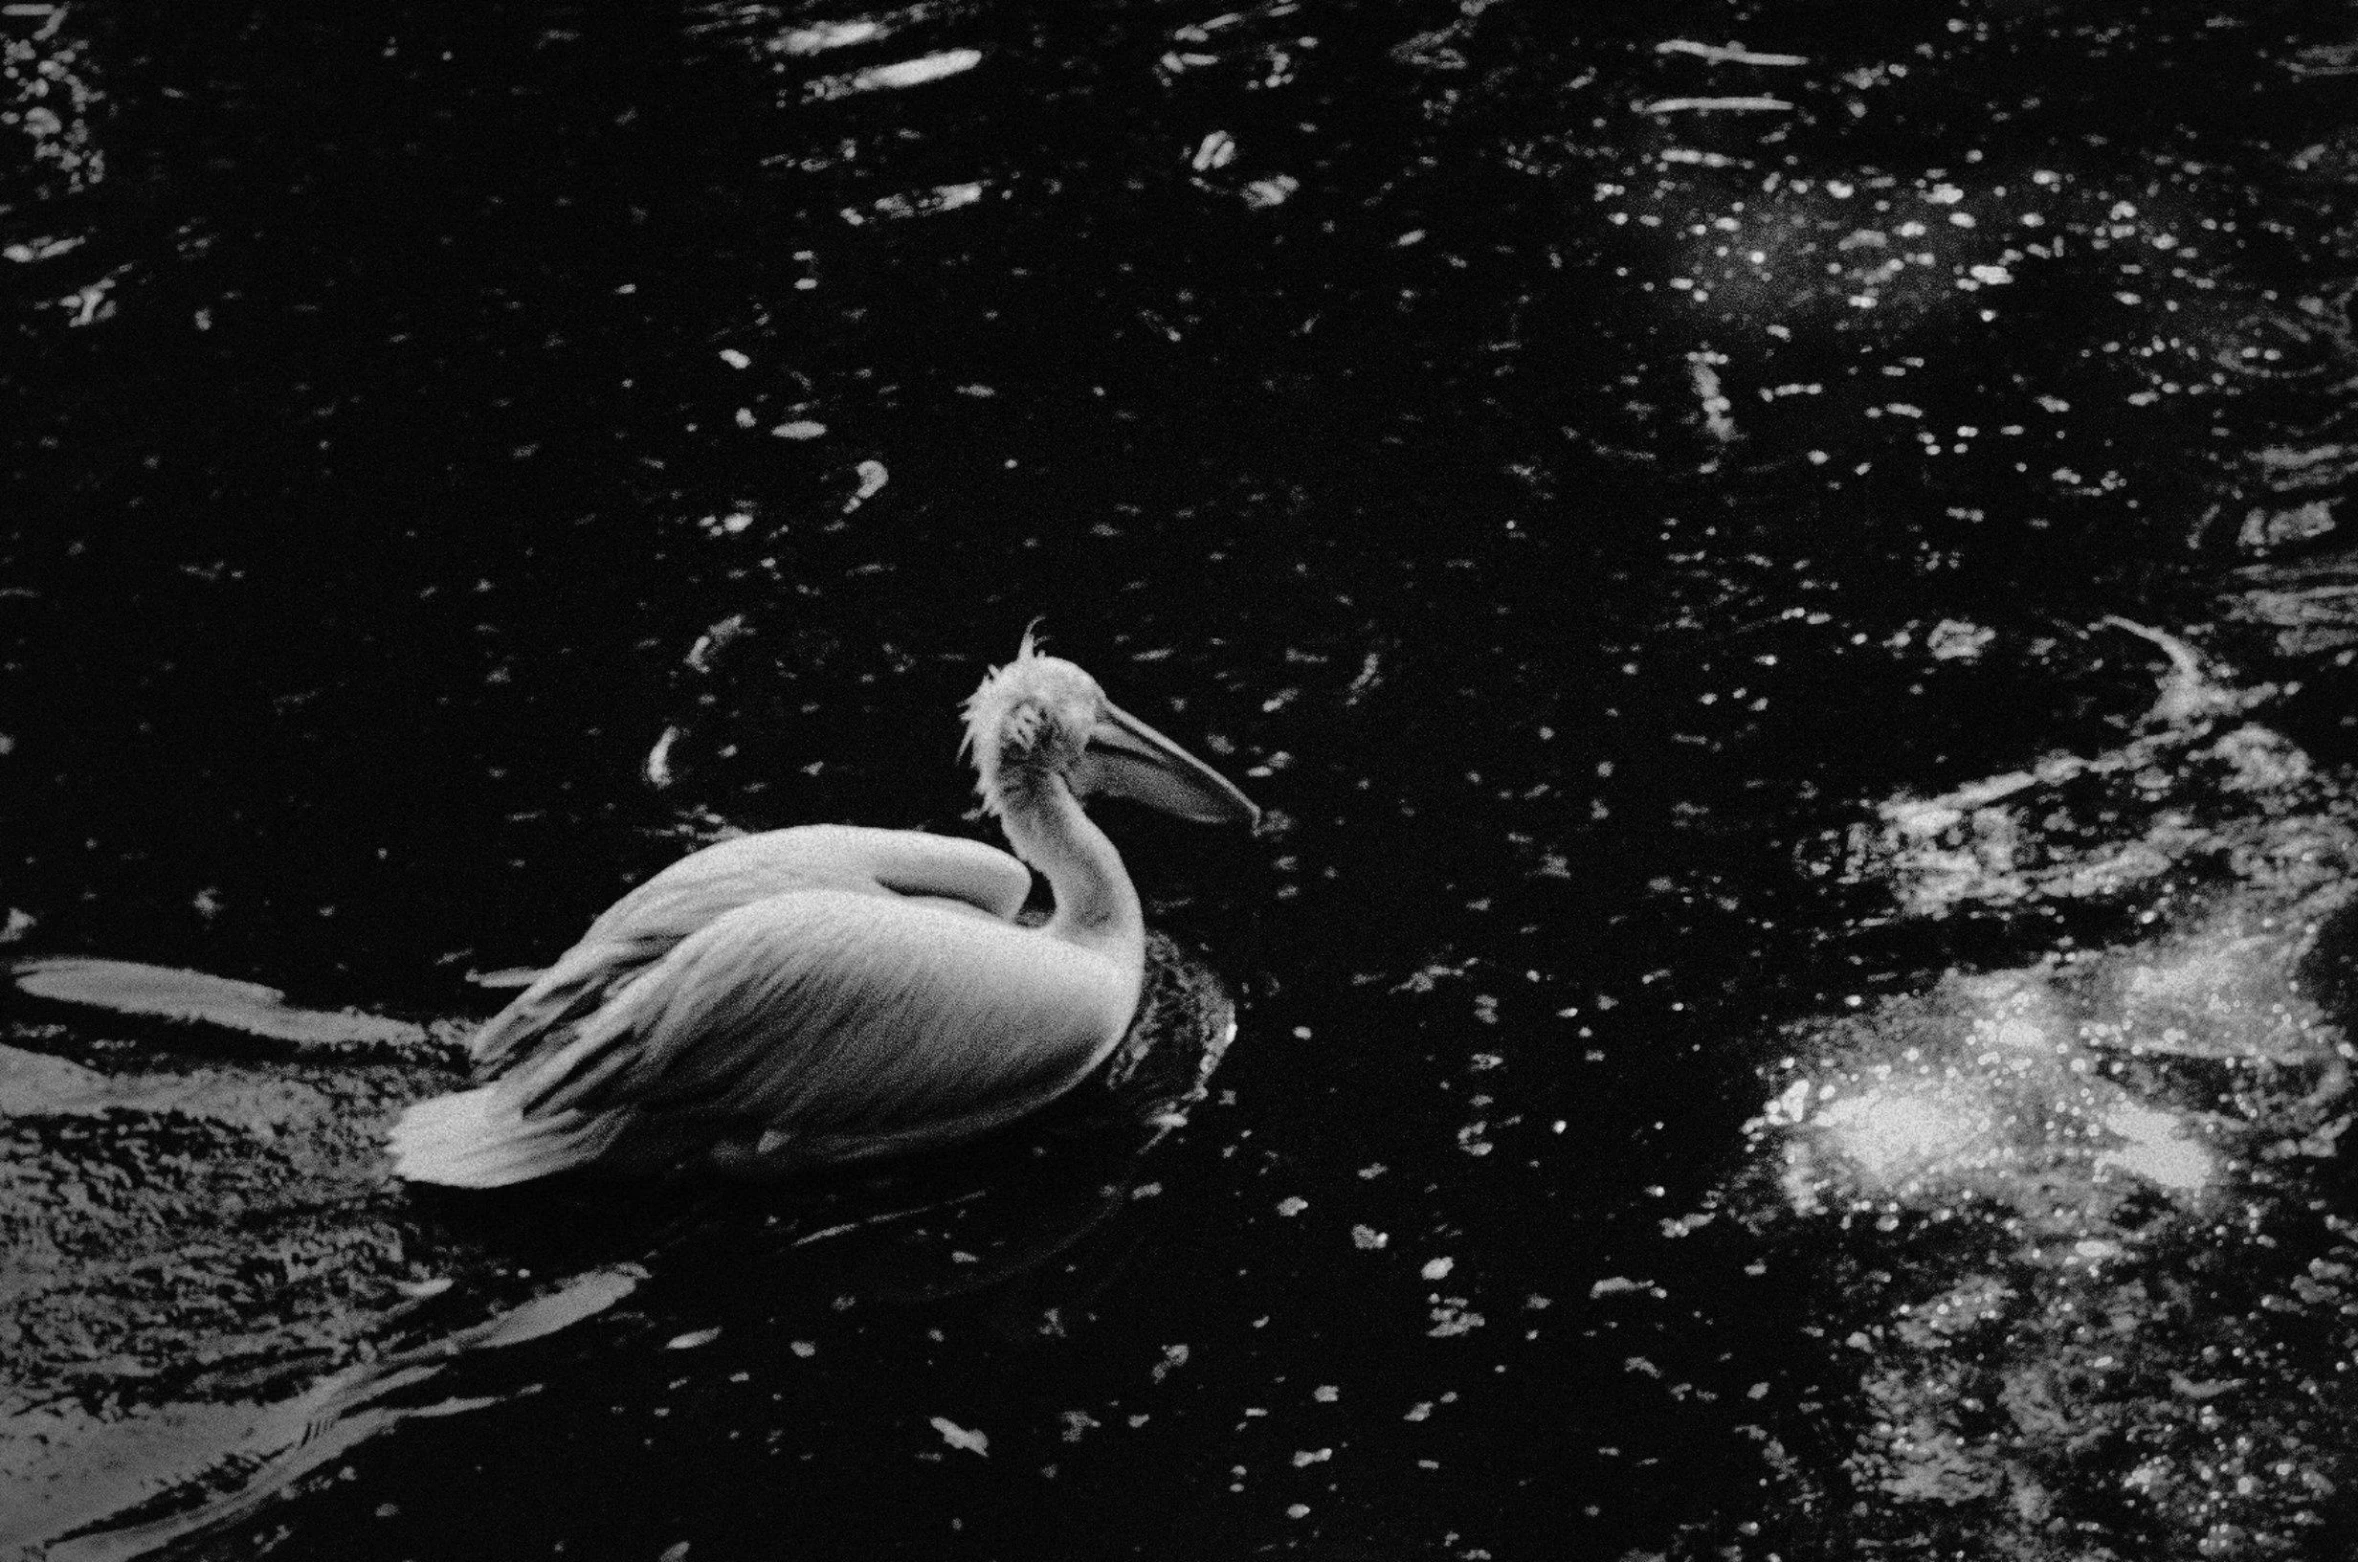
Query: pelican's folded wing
{"points": [[846, 1022], [650, 921]]}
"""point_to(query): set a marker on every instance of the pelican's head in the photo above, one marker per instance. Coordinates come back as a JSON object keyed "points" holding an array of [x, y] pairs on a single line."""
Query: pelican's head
{"points": [[1040, 719]]}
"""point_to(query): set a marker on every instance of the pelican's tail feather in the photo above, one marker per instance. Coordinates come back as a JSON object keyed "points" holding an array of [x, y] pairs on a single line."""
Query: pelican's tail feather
{"points": [[478, 1139]]}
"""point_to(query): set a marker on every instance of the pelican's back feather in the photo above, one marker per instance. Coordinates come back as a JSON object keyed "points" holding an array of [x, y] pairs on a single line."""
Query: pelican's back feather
{"points": [[477, 1139], [845, 1023], [691, 894]]}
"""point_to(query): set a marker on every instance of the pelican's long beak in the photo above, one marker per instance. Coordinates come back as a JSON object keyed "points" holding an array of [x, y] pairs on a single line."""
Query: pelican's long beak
{"points": [[1130, 759]]}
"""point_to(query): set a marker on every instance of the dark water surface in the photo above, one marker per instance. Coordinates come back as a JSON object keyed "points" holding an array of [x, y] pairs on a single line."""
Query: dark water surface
{"points": [[1789, 604]]}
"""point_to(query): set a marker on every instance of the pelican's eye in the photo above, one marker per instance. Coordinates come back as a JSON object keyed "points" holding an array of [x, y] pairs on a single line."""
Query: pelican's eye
{"points": [[1020, 733]]}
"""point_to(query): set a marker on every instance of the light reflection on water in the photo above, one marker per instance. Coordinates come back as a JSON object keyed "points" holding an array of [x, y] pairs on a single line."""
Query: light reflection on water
{"points": [[259, 1451], [1897, 1136], [2098, 1185], [2155, 1147], [1986, 1087]]}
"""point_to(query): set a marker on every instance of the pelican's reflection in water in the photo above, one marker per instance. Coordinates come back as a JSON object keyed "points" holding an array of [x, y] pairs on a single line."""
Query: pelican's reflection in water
{"points": [[513, 1299]]}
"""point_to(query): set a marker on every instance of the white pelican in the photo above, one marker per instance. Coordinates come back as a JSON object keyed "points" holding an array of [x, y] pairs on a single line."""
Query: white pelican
{"points": [[828, 992]]}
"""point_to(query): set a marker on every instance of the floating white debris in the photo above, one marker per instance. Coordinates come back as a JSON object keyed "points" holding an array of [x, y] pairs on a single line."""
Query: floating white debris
{"points": [[1727, 54], [2265, 529], [714, 640], [1273, 191], [1955, 640], [2157, 1149], [657, 769], [922, 203], [1452, 1317], [692, 1339], [817, 37], [1709, 394], [1438, 1268], [1216, 150], [1710, 105], [1292, 1205], [506, 977], [91, 304], [873, 477], [800, 428], [1790, 1106], [40, 249], [959, 1437], [583, 1296], [1922, 817], [728, 525], [160, 992], [735, 359], [899, 74]]}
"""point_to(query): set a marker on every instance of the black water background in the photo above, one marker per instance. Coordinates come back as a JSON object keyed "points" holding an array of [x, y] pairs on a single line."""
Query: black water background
{"points": [[344, 622]]}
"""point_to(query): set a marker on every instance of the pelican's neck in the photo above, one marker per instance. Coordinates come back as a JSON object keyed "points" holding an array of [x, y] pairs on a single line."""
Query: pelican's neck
{"points": [[1096, 906]]}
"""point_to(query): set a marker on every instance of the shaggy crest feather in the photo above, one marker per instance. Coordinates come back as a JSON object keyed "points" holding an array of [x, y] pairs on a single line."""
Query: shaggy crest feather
{"points": [[1027, 721]]}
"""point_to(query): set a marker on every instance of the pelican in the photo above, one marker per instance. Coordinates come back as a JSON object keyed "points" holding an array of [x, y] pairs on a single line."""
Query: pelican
{"points": [[832, 992]]}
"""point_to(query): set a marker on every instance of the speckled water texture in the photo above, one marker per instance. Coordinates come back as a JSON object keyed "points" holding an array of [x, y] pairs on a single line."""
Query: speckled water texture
{"points": [[1780, 569]]}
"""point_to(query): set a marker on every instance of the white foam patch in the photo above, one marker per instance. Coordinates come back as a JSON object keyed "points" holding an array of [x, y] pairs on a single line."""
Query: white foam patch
{"points": [[2157, 1148]]}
